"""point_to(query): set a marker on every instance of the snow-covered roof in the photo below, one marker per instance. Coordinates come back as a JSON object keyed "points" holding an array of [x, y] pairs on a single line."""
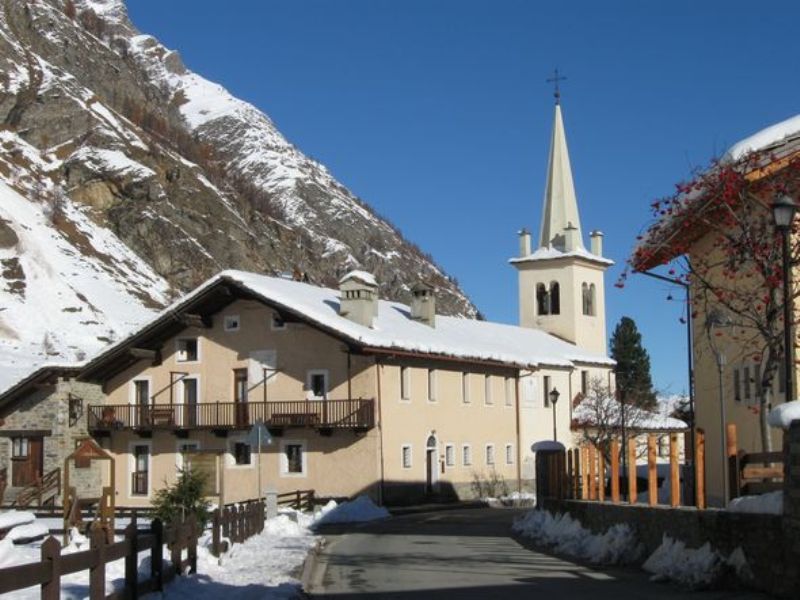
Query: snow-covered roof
{"points": [[549, 253], [769, 136], [394, 330]]}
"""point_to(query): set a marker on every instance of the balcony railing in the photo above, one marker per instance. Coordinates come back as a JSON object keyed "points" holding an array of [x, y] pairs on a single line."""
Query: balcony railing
{"points": [[319, 414]]}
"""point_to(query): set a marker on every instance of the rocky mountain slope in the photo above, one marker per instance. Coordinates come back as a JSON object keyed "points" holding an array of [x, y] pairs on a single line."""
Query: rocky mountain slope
{"points": [[128, 177]]}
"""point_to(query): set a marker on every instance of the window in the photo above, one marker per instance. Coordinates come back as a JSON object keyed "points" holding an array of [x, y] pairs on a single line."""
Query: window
{"points": [[450, 455], [293, 458], [188, 350], [431, 385], [546, 390], [241, 453], [466, 455], [587, 292], [140, 476], [555, 298], [405, 383], [277, 323], [232, 323], [317, 382], [592, 311], [737, 386], [185, 451], [490, 454], [19, 447], [509, 391], [584, 382], [465, 388], [542, 300], [141, 392], [240, 385], [746, 377], [487, 389], [405, 456], [509, 454]]}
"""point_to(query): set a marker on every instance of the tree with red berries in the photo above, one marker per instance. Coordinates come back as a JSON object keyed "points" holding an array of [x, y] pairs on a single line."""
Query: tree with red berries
{"points": [[717, 232]]}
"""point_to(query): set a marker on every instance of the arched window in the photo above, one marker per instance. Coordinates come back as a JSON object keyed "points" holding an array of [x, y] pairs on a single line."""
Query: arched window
{"points": [[542, 300], [585, 298], [431, 443], [555, 298], [591, 310]]}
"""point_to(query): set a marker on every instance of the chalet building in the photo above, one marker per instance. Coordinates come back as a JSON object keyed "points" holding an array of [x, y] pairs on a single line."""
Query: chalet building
{"points": [[270, 383], [763, 163]]}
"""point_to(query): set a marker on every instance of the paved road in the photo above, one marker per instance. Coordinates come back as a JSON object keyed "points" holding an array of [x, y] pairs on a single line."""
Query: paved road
{"points": [[466, 554]]}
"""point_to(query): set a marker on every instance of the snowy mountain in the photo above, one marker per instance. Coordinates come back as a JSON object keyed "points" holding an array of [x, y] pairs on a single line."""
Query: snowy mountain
{"points": [[126, 179]]}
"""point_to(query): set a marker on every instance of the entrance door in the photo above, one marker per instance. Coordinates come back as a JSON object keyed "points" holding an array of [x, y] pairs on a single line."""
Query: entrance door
{"points": [[240, 397], [27, 457], [431, 470]]}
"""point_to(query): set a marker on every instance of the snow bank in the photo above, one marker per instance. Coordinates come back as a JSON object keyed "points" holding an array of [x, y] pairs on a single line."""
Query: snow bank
{"points": [[13, 518], [783, 415], [567, 536], [359, 510], [29, 532], [771, 504]]}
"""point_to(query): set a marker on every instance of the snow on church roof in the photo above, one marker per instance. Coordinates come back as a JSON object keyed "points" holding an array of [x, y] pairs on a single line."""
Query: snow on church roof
{"points": [[549, 253], [393, 328]]}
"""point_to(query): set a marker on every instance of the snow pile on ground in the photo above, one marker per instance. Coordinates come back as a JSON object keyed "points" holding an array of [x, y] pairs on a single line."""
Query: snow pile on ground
{"points": [[519, 499], [567, 536], [771, 504], [356, 511], [31, 531], [695, 568], [783, 415], [13, 518]]}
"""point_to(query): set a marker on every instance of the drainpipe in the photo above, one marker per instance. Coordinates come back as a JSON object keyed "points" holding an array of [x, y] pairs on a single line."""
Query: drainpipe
{"points": [[381, 488]]}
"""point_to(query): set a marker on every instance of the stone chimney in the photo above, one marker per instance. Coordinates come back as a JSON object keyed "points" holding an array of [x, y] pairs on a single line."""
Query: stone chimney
{"points": [[524, 242], [359, 299], [571, 240], [423, 304], [597, 242]]}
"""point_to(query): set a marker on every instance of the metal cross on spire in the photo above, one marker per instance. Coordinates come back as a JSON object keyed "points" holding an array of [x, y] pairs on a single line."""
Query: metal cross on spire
{"points": [[555, 79]]}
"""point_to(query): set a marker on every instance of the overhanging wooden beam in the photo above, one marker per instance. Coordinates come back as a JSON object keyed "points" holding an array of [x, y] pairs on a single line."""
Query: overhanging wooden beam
{"points": [[195, 320]]}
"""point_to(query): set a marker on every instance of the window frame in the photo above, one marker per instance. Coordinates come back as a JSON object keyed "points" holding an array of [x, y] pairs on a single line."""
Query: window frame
{"points": [[465, 397], [132, 467], [179, 450], [488, 397], [284, 459], [510, 454], [310, 374], [273, 322], [227, 323], [466, 455], [405, 384], [179, 350], [449, 456], [232, 448], [432, 381], [509, 390], [20, 447], [489, 455], [403, 448], [546, 390]]}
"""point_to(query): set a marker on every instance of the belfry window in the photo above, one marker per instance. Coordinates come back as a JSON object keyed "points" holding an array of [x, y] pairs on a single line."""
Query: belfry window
{"points": [[588, 299], [542, 300], [555, 299]]}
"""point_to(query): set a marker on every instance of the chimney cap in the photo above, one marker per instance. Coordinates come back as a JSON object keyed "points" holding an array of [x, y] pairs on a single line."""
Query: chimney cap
{"points": [[422, 286], [596, 233], [361, 277]]}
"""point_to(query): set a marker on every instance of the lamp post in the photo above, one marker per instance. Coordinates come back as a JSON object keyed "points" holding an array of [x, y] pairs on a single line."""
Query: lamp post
{"points": [[715, 320], [783, 210], [554, 394]]}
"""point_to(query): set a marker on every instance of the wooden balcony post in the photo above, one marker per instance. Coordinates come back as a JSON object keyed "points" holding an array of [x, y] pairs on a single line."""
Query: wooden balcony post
{"points": [[633, 493], [592, 473], [584, 472], [614, 471], [674, 476], [601, 475], [652, 481], [700, 468]]}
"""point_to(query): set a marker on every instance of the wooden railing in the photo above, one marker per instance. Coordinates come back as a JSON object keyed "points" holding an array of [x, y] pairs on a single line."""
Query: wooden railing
{"points": [[48, 572], [43, 489], [320, 414], [299, 499], [752, 473], [236, 522]]}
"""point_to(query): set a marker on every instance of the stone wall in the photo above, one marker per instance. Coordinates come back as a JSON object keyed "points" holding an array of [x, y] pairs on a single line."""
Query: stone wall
{"points": [[47, 408]]}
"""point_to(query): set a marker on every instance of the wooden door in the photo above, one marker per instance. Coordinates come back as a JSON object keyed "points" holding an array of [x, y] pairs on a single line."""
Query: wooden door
{"points": [[429, 470], [240, 390], [27, 460]]}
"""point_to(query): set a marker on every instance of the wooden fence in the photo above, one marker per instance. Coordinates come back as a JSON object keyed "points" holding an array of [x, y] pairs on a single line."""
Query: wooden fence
{"points": [[236, 523], [590, 474], [299, 499], [47, 573], [754, 472]]}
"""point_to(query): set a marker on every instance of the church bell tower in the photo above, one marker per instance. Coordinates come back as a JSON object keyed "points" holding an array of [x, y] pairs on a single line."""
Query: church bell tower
{"points": [[561, 283]]}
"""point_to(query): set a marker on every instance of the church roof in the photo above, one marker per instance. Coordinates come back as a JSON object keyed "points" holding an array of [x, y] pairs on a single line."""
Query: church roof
{"points": [[542, 254], [560, 210], [393, 328]]}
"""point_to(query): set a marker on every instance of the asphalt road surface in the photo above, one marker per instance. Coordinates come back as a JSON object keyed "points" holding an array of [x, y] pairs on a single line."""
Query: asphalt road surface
{"points": [[468, 554]]}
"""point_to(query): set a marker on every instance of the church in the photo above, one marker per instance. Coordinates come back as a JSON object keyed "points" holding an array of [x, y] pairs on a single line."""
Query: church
{"points": [[348, 393]]}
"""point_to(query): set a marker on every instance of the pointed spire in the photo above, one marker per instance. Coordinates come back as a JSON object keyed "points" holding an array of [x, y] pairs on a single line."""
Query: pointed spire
{"points": [[561, 224]]}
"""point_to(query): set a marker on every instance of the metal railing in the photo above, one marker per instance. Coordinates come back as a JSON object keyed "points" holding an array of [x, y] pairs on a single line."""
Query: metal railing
{"points": [[319, 414]]}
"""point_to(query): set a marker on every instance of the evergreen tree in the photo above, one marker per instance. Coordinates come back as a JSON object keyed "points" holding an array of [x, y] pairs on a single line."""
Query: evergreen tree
{"points": [[182, 498], [633, 365]]}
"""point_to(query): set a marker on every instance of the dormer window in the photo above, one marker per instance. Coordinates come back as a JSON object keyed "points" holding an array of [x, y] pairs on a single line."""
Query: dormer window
{"points": [[188, 350], [277, 323], [232, 322]]}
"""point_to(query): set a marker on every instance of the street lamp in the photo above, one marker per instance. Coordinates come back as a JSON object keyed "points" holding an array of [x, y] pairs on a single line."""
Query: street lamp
{"points": [[554, 394], [716, 319], [783, 210]]}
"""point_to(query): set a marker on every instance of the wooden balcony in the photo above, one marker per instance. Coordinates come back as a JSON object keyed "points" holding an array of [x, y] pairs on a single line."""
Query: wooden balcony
{"points": [[323, 415]]}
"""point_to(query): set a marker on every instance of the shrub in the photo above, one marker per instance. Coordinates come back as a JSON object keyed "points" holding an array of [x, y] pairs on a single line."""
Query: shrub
{"points": [[183, 498]]}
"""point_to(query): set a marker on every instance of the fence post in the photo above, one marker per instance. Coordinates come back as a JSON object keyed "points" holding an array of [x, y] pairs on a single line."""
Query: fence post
{"points": [[674, 477], [131, 561], [226, 522], [298, 506], [178, 531], [584, 472], [157, 554], [51, 551], [633, 492], [215, 525], [700, 468], [262, 516], [601, 475], [192, 546], [97, 570], [652, 481], [614, 471]]}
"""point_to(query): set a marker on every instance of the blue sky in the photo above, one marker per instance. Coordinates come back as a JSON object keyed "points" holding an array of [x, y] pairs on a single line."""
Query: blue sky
{"points": [[436, 112]]}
